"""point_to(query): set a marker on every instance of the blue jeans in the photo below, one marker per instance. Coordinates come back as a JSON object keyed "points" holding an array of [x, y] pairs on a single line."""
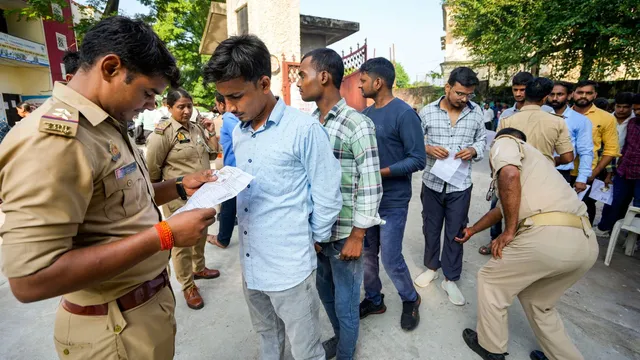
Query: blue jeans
{"points": [[386, 240], [338, 284], [496, 229], [623, 191]]}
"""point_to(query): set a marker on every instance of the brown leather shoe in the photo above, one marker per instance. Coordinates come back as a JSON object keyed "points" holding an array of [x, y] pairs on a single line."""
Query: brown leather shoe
{"points": [[193, 298], [206, 274]]}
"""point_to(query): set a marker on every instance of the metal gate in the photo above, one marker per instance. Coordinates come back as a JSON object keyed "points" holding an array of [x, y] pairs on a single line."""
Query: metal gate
{"points": [[349, 88]]}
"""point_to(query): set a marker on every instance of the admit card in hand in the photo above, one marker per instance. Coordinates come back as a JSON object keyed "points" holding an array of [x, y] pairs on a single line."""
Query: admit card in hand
{"points": [[231, 181], [601, 192], [451, 170]]}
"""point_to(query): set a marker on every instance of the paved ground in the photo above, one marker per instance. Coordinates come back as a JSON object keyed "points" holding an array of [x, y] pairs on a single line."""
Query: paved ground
{"points": [[601, 312]]}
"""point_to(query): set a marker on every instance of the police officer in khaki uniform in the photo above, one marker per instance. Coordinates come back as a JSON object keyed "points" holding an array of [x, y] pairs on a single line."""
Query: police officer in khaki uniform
{"points": [[176, 148], [81, 213], [546, 132], [547, 246]]}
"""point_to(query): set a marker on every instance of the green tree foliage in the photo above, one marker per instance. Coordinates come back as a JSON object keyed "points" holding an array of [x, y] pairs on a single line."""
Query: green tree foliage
{"points": [[595, 36], [402, 78]]}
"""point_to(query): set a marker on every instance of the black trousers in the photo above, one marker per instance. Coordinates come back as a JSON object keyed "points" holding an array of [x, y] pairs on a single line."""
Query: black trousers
{"points": [[227, 219]]}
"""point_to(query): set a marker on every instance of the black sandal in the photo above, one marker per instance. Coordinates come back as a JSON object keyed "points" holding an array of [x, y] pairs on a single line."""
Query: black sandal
{"points": [[485, 249]]}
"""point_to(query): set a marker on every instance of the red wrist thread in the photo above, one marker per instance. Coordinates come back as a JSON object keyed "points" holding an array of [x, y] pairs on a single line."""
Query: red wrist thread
{"points": [[166, 235]]}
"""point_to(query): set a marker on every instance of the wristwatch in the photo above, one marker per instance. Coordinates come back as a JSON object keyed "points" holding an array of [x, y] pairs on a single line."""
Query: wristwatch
{"points": [[180, 188]]}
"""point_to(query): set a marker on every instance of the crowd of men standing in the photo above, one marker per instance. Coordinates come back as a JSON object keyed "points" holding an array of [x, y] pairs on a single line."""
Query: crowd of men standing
{"points": [[328, 203]]}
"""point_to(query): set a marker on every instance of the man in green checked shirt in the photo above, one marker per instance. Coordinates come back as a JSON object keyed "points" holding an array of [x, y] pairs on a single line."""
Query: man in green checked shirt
{"points": [[340, 266]]}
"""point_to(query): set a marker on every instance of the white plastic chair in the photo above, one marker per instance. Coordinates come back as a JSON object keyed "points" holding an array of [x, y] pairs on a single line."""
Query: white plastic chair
{"points": [[630, 223]]}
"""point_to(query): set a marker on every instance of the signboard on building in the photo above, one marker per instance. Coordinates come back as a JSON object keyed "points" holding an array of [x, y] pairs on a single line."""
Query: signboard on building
{"points": [[15, 48]]}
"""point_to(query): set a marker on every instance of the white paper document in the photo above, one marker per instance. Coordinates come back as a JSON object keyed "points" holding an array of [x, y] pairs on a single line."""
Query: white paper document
{"points": [[231, 181], [452, 171], [582, 194], [601, 192]]}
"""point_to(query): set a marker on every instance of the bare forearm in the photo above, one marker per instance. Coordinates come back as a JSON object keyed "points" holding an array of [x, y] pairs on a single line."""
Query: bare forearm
{"points": [[386, 172], [489, 219], [509, 188], [165, 191], [80, 268], [606, 160]]}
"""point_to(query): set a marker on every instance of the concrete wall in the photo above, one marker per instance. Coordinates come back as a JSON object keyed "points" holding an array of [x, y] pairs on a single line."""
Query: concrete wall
{"points": [[310, 42], [25, 80], [417, 97], [277, 23], [28, 30]]}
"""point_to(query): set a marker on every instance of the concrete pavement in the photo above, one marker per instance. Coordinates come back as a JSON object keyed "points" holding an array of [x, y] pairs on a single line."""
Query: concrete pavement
{"points": [[601, 312]]}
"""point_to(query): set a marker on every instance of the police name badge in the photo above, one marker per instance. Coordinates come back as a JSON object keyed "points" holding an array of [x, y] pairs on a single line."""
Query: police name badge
{"points": [[114, 151], [126, 170], [60, 120]]}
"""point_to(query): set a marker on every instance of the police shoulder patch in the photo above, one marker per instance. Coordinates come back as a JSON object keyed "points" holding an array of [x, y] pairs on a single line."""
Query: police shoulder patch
{"points": [[60, 119], [162, 126]]}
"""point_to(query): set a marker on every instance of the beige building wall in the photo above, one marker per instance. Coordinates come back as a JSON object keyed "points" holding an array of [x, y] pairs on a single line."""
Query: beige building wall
{"points": [[277, 23], [25, 80], [28, 30]]}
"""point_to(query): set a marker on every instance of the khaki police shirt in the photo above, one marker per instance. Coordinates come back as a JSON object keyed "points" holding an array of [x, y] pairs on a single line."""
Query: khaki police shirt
{"points": [[62, 193], [543, 188], [175, 150], [546, 132]]}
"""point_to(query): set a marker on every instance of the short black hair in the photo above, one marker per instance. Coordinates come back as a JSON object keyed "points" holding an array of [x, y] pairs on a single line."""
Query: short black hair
{"points": [[176, 94], [134, 42], [380, 68], [219, 97], [71, 61], [635, 100], [26, 106], [567, 85], [537, 89], [624, 98], [601, 103], [244, 56], [583, 83], [464, 76], [513, 132], [521, 78], [328, 60]]}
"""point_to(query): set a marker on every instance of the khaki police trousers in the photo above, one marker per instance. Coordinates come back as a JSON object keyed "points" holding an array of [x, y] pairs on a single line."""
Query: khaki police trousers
{"points": [[144, 332], [186, 260], [538, 266]]}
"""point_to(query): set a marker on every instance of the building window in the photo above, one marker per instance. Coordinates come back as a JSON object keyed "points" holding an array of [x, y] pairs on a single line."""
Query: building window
{"points": [[61, 41], [56, 10], [243, 21]]}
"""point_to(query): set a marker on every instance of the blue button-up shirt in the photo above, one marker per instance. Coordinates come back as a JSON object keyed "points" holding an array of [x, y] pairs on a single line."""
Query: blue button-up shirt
{"points": [[581, 139], [229, 122], [293, 201], [506, 113]]}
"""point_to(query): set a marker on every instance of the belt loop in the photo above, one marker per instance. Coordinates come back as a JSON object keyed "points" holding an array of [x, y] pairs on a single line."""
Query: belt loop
{"points": [[115, 320]]}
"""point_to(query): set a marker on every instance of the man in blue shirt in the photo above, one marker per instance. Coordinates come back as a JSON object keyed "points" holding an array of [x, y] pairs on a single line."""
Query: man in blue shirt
{"points": [[227, 217], [401, 151], [579, 133], [518, 84], [292, 202]]}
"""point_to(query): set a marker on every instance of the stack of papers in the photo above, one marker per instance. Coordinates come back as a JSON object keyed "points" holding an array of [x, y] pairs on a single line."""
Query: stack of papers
{"points": [[452, 171], [231, 181]]}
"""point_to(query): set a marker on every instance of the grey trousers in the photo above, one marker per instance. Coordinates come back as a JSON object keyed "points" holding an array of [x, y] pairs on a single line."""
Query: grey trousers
{"points": [[297, 310]]}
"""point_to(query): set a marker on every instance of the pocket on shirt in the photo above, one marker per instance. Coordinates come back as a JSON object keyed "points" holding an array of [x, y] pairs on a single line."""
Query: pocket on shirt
{"points": [[123, 197], [278, 176]]}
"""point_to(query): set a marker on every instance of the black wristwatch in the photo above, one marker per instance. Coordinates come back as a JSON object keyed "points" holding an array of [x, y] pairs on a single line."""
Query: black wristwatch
{"points": [[180, 188]]}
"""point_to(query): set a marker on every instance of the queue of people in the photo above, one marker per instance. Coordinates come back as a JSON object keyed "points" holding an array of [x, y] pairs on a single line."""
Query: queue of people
{"points": [[340, 180]]}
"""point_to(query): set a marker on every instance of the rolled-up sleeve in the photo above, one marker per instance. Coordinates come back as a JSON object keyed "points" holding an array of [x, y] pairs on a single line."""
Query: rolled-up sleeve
{"points": [[158, 148], [46, 184], [584, 149], [324, 174], [365, 151], [505, 151]]}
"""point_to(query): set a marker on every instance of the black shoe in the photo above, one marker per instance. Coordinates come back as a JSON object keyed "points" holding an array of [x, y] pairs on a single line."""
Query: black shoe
{"points": [[410, 314], [471, 338], [367, 307], [331, 347], [538, 355]]}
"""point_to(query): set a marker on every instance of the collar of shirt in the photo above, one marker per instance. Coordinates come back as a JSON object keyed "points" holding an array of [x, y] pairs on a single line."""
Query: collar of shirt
{"points": [[86, 107], [466, 109], [176, 125], [591, 110], [274, 117], [333, 113], [531, 108]]}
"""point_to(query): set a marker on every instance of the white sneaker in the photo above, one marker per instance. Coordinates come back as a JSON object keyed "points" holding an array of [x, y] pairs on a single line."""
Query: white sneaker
{"points": [[455, 296], [424, 279], [601, 233]]}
